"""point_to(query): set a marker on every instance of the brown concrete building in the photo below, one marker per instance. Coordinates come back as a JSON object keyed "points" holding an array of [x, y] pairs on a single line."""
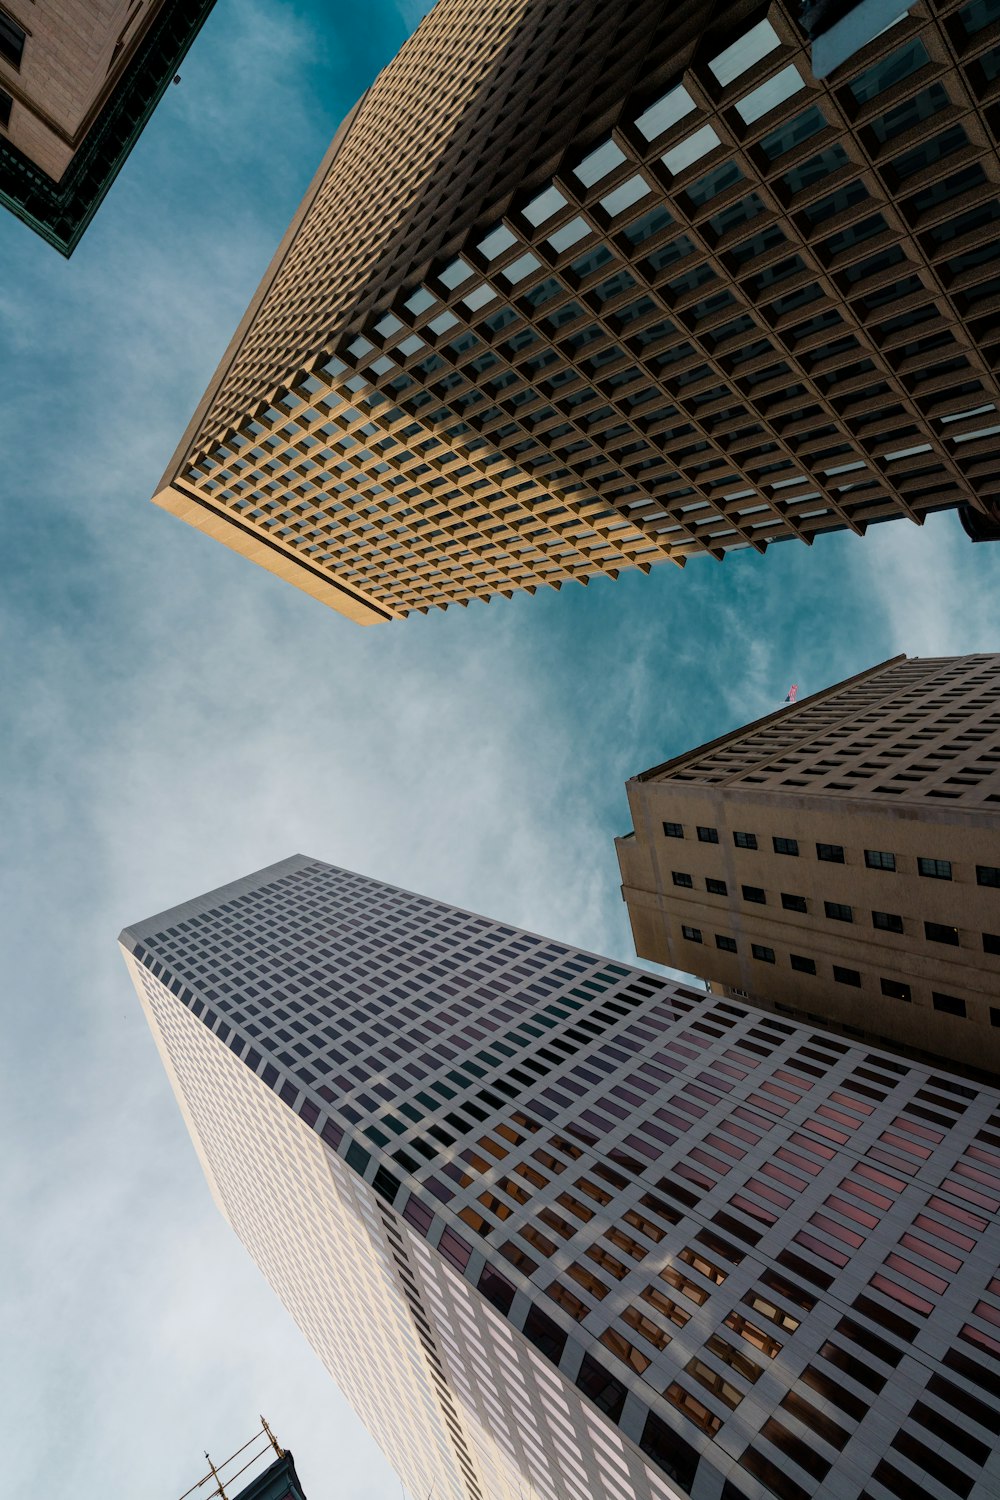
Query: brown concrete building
{"points": [[839, 860], [584, 286], [78, 81]]}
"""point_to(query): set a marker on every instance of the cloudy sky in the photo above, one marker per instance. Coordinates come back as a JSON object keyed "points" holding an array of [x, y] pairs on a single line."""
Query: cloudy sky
{"points": [[174, 718]]}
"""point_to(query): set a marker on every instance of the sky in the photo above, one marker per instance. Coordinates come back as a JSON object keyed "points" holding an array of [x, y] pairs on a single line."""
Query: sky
{"points": [[175, 717]]}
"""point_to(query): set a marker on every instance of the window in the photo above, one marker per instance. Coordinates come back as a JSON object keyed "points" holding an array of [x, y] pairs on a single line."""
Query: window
{"points": [[673, 830], [887, 921], [716, 887], [991, 942], [838, 912], [950, 1004], [693, 934], [803, 965], [745, 840], [785, 846], [679, 878], [727, 944], [12, 39], [793, 903], [988, 875], [833, 853], [895, 989], [6, 103], [938, 932], [754, 893], [766, 955], [847, 976], [708, 835], [935, 869], [878, 859]]}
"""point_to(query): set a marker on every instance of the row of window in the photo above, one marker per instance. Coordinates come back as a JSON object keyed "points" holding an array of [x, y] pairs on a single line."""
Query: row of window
{"points": [[875, 859]]}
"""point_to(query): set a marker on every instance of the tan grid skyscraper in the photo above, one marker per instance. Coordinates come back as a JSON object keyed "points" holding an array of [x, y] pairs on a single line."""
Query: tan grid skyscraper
{"points": [[583, 286], [839, 860]]}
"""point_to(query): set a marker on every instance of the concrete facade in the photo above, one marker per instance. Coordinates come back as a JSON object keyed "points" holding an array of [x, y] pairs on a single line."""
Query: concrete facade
{"points": [[894, 772]]}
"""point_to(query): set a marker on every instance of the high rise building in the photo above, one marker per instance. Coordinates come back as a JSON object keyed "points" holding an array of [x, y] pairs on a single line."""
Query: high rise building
{"points": [[584, 286], [840, 858], [563, 1228], [78, 82]]}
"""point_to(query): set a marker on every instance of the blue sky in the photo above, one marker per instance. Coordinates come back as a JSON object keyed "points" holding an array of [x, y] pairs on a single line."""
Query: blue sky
{"points": [[175, 717]]}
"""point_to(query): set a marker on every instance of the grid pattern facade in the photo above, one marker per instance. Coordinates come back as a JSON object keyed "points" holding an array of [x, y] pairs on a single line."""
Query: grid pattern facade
{"points": [[840, 859], [702, 301], [692, 1249]]}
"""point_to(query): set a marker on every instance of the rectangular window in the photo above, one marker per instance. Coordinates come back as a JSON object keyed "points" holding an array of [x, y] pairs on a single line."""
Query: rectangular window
{"points": [[793, 903], [991, 942], [950, 1004], [679, 878], [988, 875], [12, 39], [847, 976], [727, 944], [803, 965], [785, 846], [895, 989], [938, 932], [878, 859], [766, 955], [887, 921], [693, 934], [673, 830], [6, 104], [745, 840], [838, 912], [833, 853], [708, 835], [716, 887], [934, 869], [754, 893]]}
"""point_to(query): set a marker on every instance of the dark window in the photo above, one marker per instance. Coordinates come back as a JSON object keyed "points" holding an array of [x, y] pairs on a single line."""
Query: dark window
{"points": [[950, 1004], [496, 1289], [803, 965], [887, 921], [988, 875], [878, 859], [673, 830], [669, 1452], [766, 955], [847, 976], [727, 944], [679, 878], [995, 1015], [938, 932], [745, 840], [716, 887], [834, 853], [754, 893], [12, 39], [838, 912], [693, 934], [6, 103], [545, 1334], [785, 846], [935, 869], [895, 989], [708, 835], [604, 1390], [793, 903], [991, 942]]}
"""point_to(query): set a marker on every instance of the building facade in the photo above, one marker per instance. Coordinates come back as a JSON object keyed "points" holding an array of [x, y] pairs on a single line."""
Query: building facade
{"points": [[232, 1479], [585, 286], [562, 1228], [78, 81], [839, 859]]}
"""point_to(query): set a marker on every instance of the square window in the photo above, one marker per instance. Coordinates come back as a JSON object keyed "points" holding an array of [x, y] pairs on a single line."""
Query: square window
{"points": [[878, 859], [681, 879], [895, 989], [847, 976], [673, 830], [938, 932], [754, 893], [802, 965], [12, 39], [793, 903], [693, 934], [991, 942], [832, 853], [708, 835], [887, 921], [838, 912], [935, 869], [785, 846], [950, 1004], [716, 887], [766, 955], [727, 944], [988, 875], [745, 840]]}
